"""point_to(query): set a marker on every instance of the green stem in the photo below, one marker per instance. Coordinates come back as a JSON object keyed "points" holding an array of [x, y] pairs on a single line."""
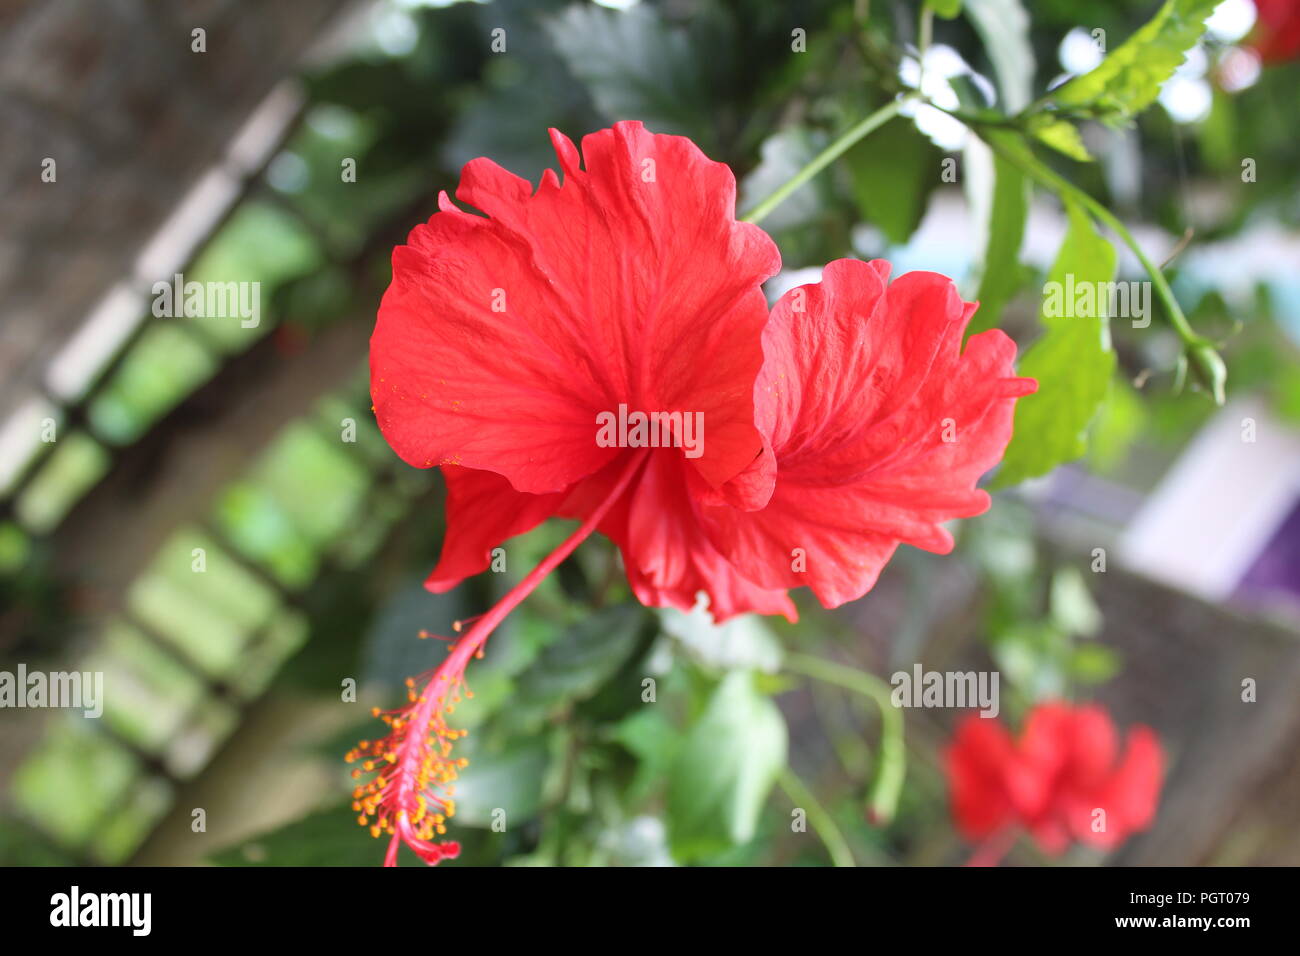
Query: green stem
{"points": [[924, 31], [1064, 188], [1198, 351], [891, 764], [823, 159], [823, 825]]}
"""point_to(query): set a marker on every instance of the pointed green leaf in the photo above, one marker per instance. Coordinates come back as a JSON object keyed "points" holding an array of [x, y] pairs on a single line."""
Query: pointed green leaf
{"points": [[1063, 136], [1003, 25], [576, 664], [1094, 663], [1002, 275], [1129, 79], [721, 777], [893, 171], [635, 65], [1072, 360]]}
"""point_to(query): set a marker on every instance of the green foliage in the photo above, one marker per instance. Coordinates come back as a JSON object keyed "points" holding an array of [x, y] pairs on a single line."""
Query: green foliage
{"points": [[1129, 79], [577, 664], [893, 172], [319, 839], [391, 653], [22, 845], [1071, 607], [1003, 25], [727, 763], [73, 780], [259, 244], [208, 615], [1093, 664], [1119, 423], [1072, 361], [509, 779], [1002, 275], [1044, 627], [718, 76], [635, 65], [76, 464], [651, 737], [164, 367], [1062, 135]]}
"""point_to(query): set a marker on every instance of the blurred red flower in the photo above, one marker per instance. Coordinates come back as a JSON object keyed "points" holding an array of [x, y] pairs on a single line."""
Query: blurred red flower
{"points": [[1064, 781], [1277, 30]]}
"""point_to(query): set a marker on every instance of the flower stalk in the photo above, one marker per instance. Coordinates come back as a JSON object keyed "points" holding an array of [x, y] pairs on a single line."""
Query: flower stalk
{"points": [[891, 760], [411, 795], [1200, 352], [834, 151], [822, 822]]}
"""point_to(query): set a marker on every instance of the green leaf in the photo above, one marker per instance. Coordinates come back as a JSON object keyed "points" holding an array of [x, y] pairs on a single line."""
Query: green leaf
{"points": [[1062, 135], [1002, 275], [728, 762], [325, 838], [1072, 607], [1028, 655], [948, 9], [1072, 361], [1003, 25], [509, 779], [893, 172], [393, 649], [1122, 419], [576, 664], [1130, 77], [1093, 663], [653, 740], [635, 66]]}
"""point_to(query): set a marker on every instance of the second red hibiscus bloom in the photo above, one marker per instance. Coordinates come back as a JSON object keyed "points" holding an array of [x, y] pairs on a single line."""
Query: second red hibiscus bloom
{"points": [[1064, 781]]}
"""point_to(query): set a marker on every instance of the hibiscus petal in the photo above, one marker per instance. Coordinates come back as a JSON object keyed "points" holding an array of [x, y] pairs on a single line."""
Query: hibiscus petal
{"points": [[668, 557], [1133, 790], [1044, 743], [502, 337], [483, 510], [978, 762], [880, 425], [1092, 746]]}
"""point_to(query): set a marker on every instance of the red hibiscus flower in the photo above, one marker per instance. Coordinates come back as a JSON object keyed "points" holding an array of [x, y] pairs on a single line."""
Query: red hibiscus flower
{"points": [[848, 423], [1064, 781], [1277, 34]]}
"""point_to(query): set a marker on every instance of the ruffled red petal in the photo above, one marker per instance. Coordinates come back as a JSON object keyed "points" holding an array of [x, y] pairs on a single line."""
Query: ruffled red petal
{"points": [[502, 337], [668, 557], [978, 762], [483, 510], [879, 424]]}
